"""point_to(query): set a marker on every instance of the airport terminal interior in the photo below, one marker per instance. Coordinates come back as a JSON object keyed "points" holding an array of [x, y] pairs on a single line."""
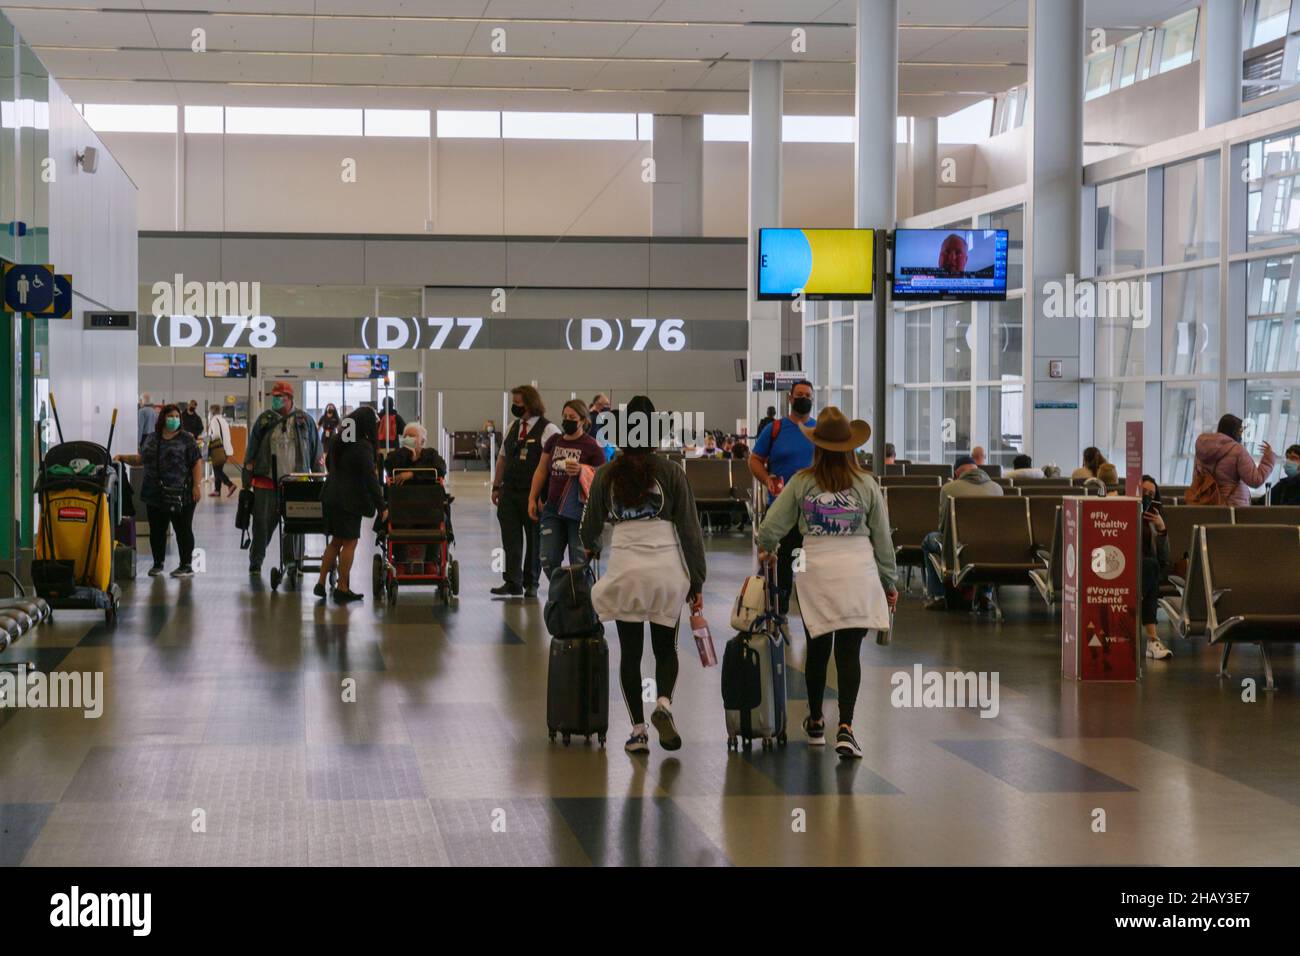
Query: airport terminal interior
{"points": [[1021, 269]]}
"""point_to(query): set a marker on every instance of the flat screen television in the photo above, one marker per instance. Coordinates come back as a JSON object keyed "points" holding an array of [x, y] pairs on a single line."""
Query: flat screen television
{"points": [[365, 366], [225, 365], [958, 264], [820, 263]]}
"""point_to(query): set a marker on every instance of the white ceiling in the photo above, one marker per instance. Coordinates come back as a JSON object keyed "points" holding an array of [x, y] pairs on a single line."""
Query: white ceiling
{"points": [[616, 55]]}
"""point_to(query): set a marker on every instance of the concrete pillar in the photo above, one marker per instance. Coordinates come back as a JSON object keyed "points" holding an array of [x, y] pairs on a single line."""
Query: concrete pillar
{"points": [[766, 80], [1052, 226], [678, 151], [925, 164], [1221, 50], [874, 196]]}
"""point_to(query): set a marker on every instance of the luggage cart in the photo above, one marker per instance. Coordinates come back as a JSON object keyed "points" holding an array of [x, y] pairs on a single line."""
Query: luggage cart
{"points": [[299, 513]]}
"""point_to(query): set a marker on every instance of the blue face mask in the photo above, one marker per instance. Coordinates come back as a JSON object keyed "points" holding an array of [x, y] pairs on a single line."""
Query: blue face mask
{"points": [[1292, 468]]}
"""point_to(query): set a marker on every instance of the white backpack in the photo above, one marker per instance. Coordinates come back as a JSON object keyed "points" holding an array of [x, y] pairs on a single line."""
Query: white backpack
{"points": [[751, 603]]}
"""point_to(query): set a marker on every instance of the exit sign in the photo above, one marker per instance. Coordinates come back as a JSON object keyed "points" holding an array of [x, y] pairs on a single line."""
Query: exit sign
{"points": [[317, 364]]}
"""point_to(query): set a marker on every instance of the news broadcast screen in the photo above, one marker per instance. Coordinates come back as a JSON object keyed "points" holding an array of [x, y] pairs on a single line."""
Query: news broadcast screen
{"points": [[950, 264], [365, 366], [815, 263], [225, 365]]}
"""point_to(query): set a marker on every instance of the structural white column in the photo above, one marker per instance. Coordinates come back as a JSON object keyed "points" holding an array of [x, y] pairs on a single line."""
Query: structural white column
{"points": [[925, 164], [874, 197], [1052, 226], [678, 190], [766, 79], [1220, 61]]}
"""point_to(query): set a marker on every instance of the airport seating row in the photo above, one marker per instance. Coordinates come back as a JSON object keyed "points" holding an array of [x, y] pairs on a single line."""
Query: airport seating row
{"points": [[20, 614]]}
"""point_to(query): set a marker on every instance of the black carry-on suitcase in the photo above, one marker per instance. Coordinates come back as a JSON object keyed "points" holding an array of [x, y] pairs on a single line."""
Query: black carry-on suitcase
{"points": [[577, 680]]}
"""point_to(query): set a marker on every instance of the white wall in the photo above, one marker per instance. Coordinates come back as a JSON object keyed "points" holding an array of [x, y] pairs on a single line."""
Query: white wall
{"points": [[93, 236]]}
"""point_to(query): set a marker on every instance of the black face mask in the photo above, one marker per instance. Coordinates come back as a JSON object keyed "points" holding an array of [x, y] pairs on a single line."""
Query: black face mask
{"points": [[570, 426], [801, 406], [517, 411]]}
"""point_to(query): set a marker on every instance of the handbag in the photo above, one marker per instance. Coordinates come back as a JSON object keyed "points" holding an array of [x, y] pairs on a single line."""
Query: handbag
{"points": [[217, 450], [751, 603]]}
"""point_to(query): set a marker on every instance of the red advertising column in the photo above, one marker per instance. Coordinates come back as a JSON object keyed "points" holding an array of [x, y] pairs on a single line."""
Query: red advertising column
{"points": [[1100, 599]]}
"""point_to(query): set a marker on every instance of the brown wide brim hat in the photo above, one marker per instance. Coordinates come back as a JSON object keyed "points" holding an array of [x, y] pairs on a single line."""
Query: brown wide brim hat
{"points": [[834, 431]]}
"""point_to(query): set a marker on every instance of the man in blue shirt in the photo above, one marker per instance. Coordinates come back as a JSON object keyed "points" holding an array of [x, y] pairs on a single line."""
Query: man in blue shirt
{"points": [[781, 450]]}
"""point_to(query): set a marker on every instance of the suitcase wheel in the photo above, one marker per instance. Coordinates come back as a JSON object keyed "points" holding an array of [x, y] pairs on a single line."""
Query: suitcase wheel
{"points": [[602, 740], [749, 745], [781, 738], [276, 575], [767, 743], [566, 740], [731, 744], [550, 735]]}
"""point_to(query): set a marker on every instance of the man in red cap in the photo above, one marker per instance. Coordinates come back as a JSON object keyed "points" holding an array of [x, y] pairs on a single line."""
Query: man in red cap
{"points": [[289, 437]]}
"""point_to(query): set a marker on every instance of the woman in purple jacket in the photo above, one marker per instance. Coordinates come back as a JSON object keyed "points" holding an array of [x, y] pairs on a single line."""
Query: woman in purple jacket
{"points": [[1223, 456]]}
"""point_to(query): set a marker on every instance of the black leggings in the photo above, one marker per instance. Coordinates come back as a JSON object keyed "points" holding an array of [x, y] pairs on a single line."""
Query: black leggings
{"points": [[631, 642], [1150, 589], [183, 524], [848, 650]]}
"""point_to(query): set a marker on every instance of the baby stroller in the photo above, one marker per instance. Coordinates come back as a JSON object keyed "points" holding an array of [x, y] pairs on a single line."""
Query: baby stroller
{"points": [[414, 545], [300, 513], [78, 496]]}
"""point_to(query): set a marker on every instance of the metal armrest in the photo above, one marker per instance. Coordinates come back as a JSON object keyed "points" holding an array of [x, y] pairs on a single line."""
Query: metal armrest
{"points": [[1180, 583]]}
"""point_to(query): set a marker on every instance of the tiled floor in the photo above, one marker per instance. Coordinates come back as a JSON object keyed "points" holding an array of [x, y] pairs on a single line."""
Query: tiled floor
{"points": [[229, 736]]}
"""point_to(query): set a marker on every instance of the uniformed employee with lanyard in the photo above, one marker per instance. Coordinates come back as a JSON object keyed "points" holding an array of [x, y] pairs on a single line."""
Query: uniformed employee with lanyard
{"points": [[520, 452]]}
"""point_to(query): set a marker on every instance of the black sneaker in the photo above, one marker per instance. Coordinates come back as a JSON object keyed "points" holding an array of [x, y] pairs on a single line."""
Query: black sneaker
{"points": [[669, 738], [184, 571], [816, 731], [318, 590], [254, 569], [846, 745], [507, 590], [530, 591], [346, 597], [638, 743], [156, 570], [936, 604]]}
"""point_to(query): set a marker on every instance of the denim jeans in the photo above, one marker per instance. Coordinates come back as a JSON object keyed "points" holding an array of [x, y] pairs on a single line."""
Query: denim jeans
{"points": [[932, 543], [559, 532]]}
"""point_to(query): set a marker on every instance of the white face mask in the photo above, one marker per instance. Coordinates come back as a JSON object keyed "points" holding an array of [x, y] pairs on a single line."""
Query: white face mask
{"points": [[408, 441]]}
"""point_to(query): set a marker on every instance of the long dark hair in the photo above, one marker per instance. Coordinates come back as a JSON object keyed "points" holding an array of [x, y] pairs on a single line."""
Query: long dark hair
{"points": [[1093, 459], [631, 474], [365, 428]]}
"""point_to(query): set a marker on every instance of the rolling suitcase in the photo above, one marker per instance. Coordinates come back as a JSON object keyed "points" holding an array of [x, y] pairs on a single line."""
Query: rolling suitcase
{"points": [[577, 680], [753, 682]]}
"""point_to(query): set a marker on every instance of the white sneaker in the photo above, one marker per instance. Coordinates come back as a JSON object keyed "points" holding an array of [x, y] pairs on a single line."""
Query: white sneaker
{"points": [[1157, 650]]}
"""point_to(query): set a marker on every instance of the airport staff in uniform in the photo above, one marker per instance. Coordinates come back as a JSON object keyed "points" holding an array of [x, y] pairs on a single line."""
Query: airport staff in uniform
{"points": [[782, 450], [520, 453], [290, 437]]}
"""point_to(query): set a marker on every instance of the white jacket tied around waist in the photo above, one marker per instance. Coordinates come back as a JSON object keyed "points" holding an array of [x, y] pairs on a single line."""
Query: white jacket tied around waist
{"points": [[645, 579], [839, 586]]}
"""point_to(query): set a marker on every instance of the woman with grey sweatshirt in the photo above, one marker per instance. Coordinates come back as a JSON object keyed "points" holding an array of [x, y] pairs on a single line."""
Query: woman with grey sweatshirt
{"points": [[656, 564]]}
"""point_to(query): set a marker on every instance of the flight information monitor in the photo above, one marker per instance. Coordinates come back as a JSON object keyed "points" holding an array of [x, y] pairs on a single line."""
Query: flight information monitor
{"points": [[958, 264], [365, 366], [817, 263], [225, 365]]}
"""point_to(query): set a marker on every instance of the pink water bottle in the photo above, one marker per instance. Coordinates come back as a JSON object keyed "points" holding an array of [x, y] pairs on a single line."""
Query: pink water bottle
{"points": [[703, 640]]}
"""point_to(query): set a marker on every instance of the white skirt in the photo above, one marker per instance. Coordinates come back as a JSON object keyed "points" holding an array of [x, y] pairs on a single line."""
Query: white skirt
{"points": [[645, 578], [840, 585]]}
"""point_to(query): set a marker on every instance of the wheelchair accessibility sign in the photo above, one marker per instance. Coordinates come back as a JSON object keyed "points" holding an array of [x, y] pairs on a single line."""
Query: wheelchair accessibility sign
{"points": [[28, 288]]}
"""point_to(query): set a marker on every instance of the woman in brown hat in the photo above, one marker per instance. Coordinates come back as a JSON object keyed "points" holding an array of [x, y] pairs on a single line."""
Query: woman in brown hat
{"points": [[848, 582]]}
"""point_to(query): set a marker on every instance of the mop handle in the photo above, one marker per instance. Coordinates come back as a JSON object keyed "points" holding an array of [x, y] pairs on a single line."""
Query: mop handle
{"points": [[57, 424], [112, 426]]}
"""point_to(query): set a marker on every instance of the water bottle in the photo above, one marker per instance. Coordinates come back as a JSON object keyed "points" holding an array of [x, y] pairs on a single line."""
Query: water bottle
{"points": [[703, 640]]}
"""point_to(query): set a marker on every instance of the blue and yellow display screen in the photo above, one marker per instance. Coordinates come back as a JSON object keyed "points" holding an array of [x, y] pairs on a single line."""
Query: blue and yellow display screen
{"points": [[819, 263]]}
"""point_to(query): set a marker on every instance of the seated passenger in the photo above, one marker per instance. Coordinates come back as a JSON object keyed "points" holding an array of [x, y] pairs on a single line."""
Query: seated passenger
{"points": [[1022, 466], [414, 454], [711, 449], [891, 454], [1095, 465], [969, 481], [1287, 491], [1155, 559]]}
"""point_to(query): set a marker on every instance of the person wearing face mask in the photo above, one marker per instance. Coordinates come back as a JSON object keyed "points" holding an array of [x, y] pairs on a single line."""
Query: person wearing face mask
{"points": [[328, 425], [557, 497], [1287, 491], [1221, 455], [391, 427], [1155, 558], [414, 453], [173, 484], [288, 437], [781, 451], [521, 451], [191, 420]]}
